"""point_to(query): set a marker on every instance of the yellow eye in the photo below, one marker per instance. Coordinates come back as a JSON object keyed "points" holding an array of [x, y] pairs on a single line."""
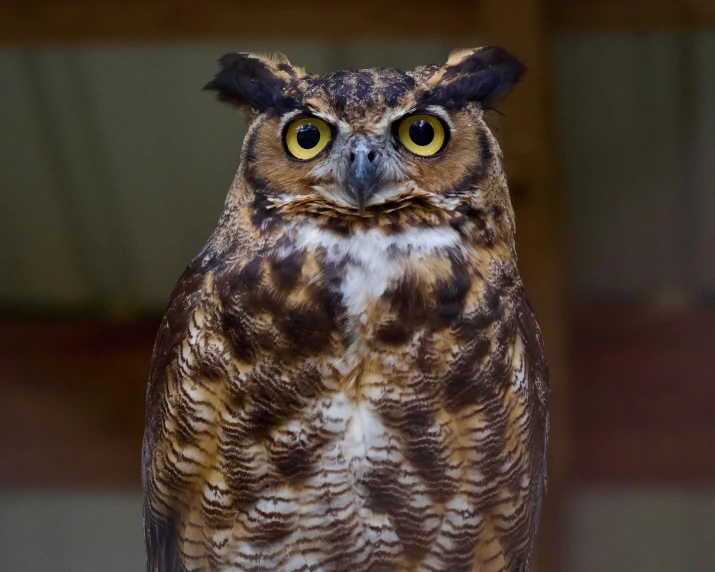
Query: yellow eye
{"points": [[422, 134], [306, 137]]}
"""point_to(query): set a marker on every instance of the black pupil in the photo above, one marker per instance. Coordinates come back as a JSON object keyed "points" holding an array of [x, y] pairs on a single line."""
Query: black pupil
{"points": [[308, 135], [421, 133]]}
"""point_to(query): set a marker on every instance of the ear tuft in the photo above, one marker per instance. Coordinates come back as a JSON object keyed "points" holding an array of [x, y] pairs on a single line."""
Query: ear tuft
{"points": [[254, 82], [276, 58], [456, 56], [481, 75]]}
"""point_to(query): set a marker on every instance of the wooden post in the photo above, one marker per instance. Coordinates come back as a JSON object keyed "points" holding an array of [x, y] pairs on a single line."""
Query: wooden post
{"points": [[527, 133]]}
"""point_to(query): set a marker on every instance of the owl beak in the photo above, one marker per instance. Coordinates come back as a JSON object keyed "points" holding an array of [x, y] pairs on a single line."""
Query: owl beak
{"points": [[362, 173]]}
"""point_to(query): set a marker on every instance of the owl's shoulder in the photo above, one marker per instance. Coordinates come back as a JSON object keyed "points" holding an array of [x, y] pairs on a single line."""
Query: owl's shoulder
{"points": [[184, 298], [534, 350]]}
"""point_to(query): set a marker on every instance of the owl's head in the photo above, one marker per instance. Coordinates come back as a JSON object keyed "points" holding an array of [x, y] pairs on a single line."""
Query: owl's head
{"points": [[361, 141]]}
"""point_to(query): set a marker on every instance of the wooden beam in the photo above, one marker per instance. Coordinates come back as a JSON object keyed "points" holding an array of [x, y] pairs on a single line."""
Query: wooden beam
{"points": [[639, 408], [72, 404], [526, 133], [101, 21], [643, 396], [629, 16], [73, 21]]}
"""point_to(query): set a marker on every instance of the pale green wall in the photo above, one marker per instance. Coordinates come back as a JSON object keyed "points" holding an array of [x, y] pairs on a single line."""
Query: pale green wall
{"points": [[114, 164], [637, 117]]}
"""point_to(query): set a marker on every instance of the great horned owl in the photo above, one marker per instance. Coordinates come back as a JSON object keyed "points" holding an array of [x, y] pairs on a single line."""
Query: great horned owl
{"points": [[348, 376]]}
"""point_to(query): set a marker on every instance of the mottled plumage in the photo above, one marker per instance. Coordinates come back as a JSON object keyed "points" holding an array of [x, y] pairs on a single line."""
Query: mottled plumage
{"points": [[348, 376]]}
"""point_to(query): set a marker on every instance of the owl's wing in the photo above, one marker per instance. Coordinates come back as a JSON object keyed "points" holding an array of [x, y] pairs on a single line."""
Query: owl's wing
{"points": [[508, 538], [536, 378], [160, 526], [162, 552]]}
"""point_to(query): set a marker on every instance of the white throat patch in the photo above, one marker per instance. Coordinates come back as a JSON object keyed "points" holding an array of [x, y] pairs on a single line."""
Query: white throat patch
{"points": [[373, 259]]}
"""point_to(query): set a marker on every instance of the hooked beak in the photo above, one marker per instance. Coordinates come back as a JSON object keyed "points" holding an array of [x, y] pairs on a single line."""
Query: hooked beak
{"points": [[362, 172]]}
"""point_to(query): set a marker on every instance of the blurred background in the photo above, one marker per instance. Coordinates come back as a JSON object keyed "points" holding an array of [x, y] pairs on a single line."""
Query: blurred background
{"points": [[113, 171]]}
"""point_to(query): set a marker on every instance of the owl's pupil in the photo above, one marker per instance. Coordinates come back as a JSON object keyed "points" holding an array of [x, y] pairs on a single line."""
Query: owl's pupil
{"points": [[421, 132], [308, 136]]}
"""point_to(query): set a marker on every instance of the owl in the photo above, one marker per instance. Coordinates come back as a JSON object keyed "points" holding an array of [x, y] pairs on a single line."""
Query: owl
{"points": [[348, 375]]}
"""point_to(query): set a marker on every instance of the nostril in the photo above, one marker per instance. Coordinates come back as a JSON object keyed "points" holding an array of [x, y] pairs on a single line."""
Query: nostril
{"points": [[352, 157], [371, 156]]}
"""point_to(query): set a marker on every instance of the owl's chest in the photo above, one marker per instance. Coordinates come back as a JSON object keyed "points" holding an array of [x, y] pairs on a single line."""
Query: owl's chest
{"points": [[364, 372], [351, 307], [388, 288]]}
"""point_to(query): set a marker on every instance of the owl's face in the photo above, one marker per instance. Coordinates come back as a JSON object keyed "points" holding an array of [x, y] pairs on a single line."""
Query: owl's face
{"points": [[359, 141]]}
